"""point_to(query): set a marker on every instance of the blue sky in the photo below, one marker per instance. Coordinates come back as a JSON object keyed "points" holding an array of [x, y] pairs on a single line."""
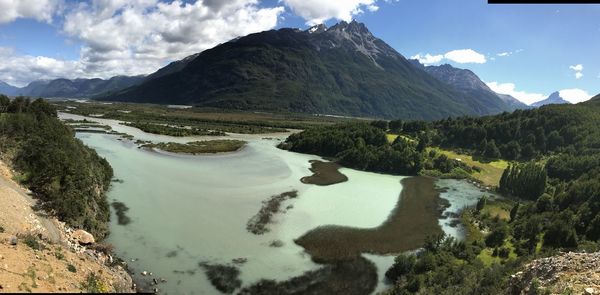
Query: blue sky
{"points": [[528, 51]]}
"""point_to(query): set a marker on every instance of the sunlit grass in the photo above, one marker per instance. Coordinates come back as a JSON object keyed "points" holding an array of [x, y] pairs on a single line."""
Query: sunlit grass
{"points": [[491, 172]]}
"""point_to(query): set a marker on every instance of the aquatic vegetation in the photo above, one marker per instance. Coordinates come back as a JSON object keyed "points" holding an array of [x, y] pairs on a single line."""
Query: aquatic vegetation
{"points": [[198, 147], [324, 173], [258, 223]]}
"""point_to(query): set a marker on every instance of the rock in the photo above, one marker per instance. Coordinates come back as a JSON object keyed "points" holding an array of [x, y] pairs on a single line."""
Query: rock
{"points": [[144, 273], [83, 237], [590, 291], [12, 240]]}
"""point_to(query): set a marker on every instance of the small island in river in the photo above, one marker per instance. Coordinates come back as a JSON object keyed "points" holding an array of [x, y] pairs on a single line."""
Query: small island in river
{"points": [[198, 147], [324, 173]]}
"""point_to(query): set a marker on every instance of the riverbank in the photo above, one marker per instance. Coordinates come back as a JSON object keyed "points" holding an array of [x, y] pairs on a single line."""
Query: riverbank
{"points": [[38, 253]]}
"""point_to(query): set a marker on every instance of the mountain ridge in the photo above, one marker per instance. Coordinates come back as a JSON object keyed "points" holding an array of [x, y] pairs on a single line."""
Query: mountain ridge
{"points": [[553, 98], [469, 83], [8, 89], [341, 70], [76, 88]]}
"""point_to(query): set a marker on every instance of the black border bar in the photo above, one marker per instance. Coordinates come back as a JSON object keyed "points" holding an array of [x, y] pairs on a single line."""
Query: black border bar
{"points": [[543, 2]]}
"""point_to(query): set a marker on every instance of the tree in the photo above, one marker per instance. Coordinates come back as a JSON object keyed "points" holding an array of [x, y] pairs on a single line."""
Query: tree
{"points": [[544, 203], [512, 150], [19, 105], [527, 181], [481, 203], [491, 150], [514, 211], [4, 101], [381, 124], [396, 125], [528, 151], [497, 236], [403, 265]]}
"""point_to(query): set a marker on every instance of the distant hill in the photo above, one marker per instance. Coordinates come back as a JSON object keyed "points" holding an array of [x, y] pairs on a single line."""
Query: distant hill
{"points": [[554, 98], [468, 83], [8, 89], [78, 87], [342, 70], [513, 103]]}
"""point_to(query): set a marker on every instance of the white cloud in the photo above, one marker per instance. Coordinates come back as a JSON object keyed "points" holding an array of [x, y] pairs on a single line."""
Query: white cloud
{"points": [[578, 70], [460, 56], [18, 70], [510, 89], [509, 53], [463, 56], [318, 11], [139, 36], [41, 10], [428, 58], [574, 95]]}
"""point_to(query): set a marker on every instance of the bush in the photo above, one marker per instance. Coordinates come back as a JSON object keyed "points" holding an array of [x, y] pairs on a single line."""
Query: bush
{"points": [[403, 264], [71, 268], [93, 284], [32, 241]]}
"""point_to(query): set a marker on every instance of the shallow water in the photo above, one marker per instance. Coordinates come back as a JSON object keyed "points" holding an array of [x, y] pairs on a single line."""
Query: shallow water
{"points": [[460, 194], [190, 209]]}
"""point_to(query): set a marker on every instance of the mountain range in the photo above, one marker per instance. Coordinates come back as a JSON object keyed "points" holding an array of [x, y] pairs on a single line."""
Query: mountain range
{"points": [[341, 70], [8, 89], [467, 83], [554, 98], [76, 88]]}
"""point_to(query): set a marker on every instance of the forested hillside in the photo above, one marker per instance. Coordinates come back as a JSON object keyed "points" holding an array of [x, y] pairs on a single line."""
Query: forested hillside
{"points": [[553, 185], [69, 178]]}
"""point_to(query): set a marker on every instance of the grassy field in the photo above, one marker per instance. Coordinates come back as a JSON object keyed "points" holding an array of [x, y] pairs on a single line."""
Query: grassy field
{"points": [[490, 171], [391, 137], [486, 256], [500, 208], [469, 221], [217, 120]]}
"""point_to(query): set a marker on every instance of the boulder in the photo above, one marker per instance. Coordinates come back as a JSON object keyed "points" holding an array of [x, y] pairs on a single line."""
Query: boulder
{"points": [[83, 237], [12, 240], [590, 291]]}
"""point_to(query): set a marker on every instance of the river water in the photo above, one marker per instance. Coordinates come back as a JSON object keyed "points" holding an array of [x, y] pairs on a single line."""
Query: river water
{"points": [[191, 209]]}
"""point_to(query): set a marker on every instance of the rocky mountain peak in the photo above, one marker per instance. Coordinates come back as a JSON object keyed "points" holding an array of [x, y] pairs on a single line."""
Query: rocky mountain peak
{"points": [[316, 29], [351, 36], [554, 98]]}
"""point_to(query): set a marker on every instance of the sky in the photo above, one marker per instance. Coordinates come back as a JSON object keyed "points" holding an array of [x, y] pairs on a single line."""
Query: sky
{"points": [[527, 51]]}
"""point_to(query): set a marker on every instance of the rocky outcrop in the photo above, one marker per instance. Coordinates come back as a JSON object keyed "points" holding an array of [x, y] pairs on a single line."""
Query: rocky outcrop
{"points": [[567, 273], [38, 253], [83, 237]]}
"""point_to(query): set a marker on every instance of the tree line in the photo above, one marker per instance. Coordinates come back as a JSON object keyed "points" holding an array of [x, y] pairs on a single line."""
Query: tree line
{"points": [[68, 178]]}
